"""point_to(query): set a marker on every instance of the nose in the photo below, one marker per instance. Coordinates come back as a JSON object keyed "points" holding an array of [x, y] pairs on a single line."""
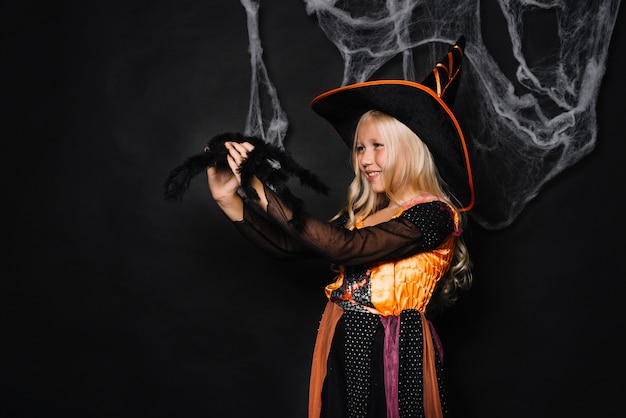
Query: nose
{"points": [[366, 157]]}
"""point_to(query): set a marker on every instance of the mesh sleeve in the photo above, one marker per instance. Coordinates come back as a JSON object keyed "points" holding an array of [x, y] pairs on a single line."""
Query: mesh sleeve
{"points": [[418, 229]]}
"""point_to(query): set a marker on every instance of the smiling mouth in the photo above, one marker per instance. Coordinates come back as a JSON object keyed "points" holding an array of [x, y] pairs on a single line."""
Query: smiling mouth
{"points": [[373, 174]]}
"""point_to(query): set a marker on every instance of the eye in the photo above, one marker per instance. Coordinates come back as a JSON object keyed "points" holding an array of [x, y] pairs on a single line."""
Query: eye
{"points": [[378, 145], [359, 148]]}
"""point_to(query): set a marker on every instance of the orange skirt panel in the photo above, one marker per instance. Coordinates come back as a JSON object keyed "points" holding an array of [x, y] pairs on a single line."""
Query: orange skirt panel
{"points": [[330, 317]]}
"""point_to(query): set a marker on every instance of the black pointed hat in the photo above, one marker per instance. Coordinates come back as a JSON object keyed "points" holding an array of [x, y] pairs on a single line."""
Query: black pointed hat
{"points": [[424, 107]]}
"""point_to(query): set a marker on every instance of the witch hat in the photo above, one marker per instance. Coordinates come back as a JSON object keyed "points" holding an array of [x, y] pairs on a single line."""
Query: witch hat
{"points": [[424, 107]]}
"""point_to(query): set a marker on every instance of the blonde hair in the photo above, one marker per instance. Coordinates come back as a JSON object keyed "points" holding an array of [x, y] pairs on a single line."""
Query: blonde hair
{"points": [[411, 165]]}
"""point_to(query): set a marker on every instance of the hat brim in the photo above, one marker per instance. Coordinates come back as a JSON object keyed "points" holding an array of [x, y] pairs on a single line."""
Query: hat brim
{"points": [[420, 109]]}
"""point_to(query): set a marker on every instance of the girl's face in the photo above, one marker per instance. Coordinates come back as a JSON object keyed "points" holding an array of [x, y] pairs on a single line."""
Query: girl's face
{"points": [[371, 154]]}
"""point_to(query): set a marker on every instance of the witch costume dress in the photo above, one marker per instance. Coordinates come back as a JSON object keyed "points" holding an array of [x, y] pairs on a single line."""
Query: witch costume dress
{"points": [[376, 355]]}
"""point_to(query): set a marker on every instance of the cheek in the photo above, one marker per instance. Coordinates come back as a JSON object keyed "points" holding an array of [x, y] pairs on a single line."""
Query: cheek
{"points": [[381, 158]]}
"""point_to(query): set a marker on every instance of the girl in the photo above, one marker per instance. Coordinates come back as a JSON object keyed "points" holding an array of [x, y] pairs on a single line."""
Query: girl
{"points": [[397, 244]]}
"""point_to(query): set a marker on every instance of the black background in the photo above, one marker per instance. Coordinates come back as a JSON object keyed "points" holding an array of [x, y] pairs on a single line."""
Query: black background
{"points": [[118, 303]]}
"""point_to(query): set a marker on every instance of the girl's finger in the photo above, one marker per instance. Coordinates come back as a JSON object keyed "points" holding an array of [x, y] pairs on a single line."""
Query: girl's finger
{"points": [[239, 152], [234, 166], [248, 146], [242, 147]]}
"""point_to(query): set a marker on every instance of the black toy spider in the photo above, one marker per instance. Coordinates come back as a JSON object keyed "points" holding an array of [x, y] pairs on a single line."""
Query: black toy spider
{"points": [[271, 164]]}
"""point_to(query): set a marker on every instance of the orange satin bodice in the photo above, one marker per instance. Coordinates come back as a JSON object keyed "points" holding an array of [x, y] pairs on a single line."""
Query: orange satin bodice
{"points": [[402, 284]]}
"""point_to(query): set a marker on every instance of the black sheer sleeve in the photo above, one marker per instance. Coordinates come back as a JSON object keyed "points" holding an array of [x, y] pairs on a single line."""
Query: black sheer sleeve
{"points": [[418, 229], [270, 237]]}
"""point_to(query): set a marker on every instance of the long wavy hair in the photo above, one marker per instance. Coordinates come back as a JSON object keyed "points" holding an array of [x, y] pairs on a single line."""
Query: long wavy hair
{"points": [[412, 165]]}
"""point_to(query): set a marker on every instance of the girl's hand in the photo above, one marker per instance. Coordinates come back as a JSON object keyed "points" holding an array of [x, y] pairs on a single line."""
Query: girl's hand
{"points": [[237, 154], [224, 183]]}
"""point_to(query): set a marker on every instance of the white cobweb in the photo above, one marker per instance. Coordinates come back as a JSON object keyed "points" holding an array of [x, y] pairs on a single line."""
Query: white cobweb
{"points": [[524, 126], [271, 127]]}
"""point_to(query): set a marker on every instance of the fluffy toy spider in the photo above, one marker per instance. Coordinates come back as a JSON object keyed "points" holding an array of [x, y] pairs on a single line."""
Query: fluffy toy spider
{"points": [[271, 164]]}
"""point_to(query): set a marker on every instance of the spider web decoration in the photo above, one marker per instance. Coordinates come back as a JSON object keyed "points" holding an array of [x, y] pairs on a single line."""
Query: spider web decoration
{"points": [[524, 126], [261, 88]]}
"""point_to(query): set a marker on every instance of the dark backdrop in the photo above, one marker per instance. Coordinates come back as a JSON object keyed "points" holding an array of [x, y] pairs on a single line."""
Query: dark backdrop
{"points": [[119, 304]]}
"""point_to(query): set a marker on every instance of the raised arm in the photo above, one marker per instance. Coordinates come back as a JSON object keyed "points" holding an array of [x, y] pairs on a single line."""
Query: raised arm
{"points": [[425, 228], [421, 228]]}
